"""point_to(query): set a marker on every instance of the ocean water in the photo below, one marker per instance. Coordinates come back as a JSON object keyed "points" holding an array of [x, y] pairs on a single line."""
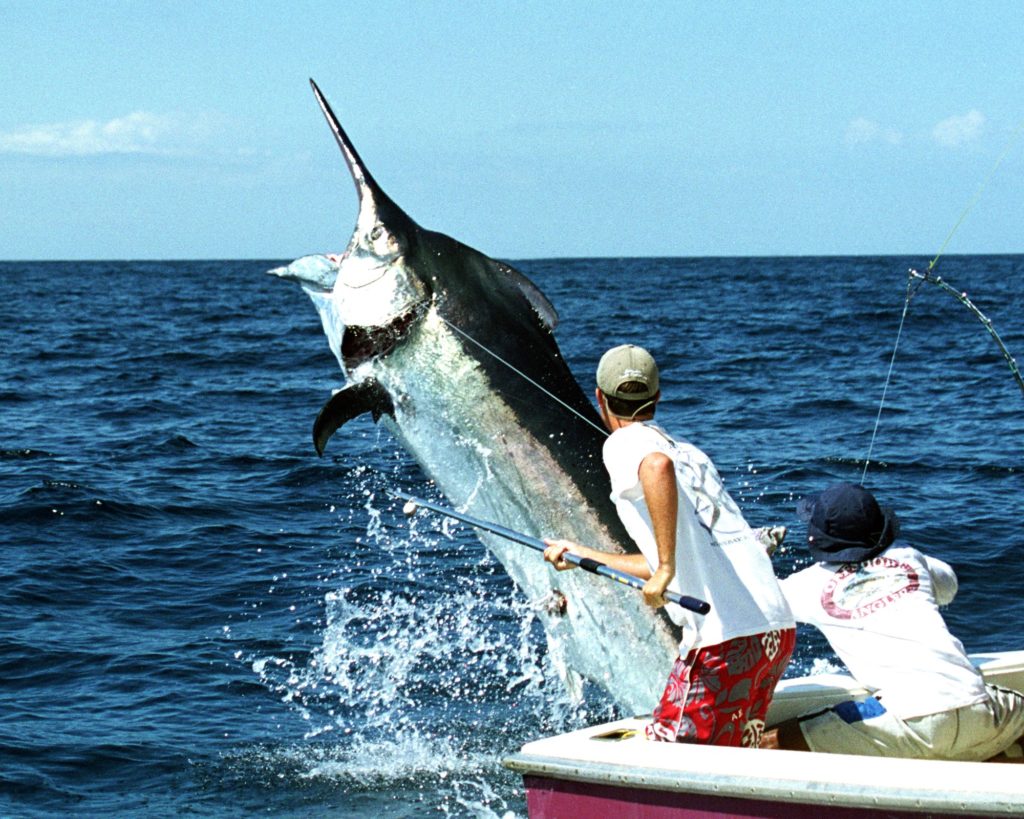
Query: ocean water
{"points": [[200, 616]]}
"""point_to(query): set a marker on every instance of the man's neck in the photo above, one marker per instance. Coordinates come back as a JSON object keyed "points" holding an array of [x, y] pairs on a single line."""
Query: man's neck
{"points": [[617, 423]]}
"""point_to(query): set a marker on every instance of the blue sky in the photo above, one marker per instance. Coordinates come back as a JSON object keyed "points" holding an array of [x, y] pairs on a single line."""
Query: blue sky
{"points": [[538, 129]]}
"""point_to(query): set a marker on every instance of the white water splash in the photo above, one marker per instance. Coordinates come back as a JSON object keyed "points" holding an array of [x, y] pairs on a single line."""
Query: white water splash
{"points": [[429, 671]]}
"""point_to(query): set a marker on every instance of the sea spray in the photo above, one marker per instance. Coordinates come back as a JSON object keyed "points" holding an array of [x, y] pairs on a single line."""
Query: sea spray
{"points": [[430, 667]]}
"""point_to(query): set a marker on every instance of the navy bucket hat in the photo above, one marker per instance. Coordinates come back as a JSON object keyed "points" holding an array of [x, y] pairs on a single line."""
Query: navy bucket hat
{"points": [[845, 524]]}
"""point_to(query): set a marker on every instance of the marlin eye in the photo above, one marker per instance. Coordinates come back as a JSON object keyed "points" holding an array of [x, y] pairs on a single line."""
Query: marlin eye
{"points": [[376, 232]]}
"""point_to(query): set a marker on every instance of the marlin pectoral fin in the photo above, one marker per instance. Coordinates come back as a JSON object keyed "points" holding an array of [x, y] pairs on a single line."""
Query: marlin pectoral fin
{"points": [[346, 404]]}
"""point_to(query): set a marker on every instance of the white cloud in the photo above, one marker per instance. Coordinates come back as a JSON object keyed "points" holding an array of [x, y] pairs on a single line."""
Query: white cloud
{"points": [[862, 130], [957, 131], [137, 133]]}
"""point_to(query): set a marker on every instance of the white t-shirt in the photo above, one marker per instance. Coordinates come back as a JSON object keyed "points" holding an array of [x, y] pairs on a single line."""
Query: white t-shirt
{"points": [[882, 619], [718, 557]]}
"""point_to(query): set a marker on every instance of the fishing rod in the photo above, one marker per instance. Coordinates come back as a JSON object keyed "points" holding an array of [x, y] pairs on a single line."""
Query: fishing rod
{"points": [[593, 566], [960, 296], [964, 300]]}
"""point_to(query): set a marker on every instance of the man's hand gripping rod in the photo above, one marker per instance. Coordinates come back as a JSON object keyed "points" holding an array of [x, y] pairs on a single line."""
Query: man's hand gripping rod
{"points": [[595, 566]]}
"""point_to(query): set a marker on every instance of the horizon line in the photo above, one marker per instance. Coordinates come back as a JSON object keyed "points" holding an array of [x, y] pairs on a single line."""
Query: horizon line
{"points": [[40, 260]]}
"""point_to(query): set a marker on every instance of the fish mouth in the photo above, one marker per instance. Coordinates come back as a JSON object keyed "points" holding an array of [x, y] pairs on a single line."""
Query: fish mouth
{"points": [[360, 343]]}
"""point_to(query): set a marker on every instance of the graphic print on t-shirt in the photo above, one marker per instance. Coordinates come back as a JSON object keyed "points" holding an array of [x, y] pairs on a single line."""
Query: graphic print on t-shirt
{"points": [[707, 494], [859, 589]]}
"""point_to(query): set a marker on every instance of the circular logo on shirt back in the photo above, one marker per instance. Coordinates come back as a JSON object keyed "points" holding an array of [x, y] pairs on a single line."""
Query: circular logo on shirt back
{"points": [[860, 589]]}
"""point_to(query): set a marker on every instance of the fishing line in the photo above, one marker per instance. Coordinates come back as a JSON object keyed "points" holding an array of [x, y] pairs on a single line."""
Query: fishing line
{"points": [[518, 372], [977, 194], [888, 378], [962, 297]]}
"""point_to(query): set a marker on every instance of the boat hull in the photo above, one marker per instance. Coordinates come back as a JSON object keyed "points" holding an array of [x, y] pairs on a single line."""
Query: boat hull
{"points": [[578, 800], [610, 770]]}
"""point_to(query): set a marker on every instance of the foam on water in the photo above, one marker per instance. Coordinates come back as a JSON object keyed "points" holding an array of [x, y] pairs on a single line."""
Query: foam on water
{"points": [[429, 667]]}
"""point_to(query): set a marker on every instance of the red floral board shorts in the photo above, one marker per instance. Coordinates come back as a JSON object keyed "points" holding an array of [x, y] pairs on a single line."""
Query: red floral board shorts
{"points": [[719, 695]]}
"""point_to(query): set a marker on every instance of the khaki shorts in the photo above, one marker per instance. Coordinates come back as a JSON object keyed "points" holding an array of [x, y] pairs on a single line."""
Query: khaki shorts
{"points": [[972, 733]]}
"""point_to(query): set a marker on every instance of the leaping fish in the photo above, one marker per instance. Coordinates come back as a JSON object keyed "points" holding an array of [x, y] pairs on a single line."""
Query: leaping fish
{"points": [[454, 352]]}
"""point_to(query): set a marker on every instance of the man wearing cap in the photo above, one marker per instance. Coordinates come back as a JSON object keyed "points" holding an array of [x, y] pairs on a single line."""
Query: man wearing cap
{"points": [[693, 540], [877, 602]]}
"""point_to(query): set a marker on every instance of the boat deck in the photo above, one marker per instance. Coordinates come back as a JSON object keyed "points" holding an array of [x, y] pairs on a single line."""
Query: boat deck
{"points": [[611, 769]]}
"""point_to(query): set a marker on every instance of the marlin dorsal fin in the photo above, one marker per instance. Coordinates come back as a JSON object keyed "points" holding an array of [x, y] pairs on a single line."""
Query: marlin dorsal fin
{"points": [[537, 300]]}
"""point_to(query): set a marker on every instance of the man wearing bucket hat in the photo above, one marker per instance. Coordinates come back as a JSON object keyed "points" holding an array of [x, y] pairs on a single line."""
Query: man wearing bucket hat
{"points": [[877, 601], [693, 540]]}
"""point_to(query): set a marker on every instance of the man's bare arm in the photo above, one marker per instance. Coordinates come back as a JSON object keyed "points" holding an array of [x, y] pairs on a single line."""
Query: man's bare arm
{"points": [[635, 565], [658, 480]]}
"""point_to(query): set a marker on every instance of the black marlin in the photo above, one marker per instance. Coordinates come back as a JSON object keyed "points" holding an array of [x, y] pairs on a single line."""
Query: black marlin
{"points": [[455, 353]]}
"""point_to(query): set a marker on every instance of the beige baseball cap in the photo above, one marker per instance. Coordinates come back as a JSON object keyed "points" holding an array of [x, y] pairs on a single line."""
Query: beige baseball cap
{"points": [[627, 362]]}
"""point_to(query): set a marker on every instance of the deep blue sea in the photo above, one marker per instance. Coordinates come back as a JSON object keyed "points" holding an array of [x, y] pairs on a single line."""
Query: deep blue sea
{"points": [[200, 616]]}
